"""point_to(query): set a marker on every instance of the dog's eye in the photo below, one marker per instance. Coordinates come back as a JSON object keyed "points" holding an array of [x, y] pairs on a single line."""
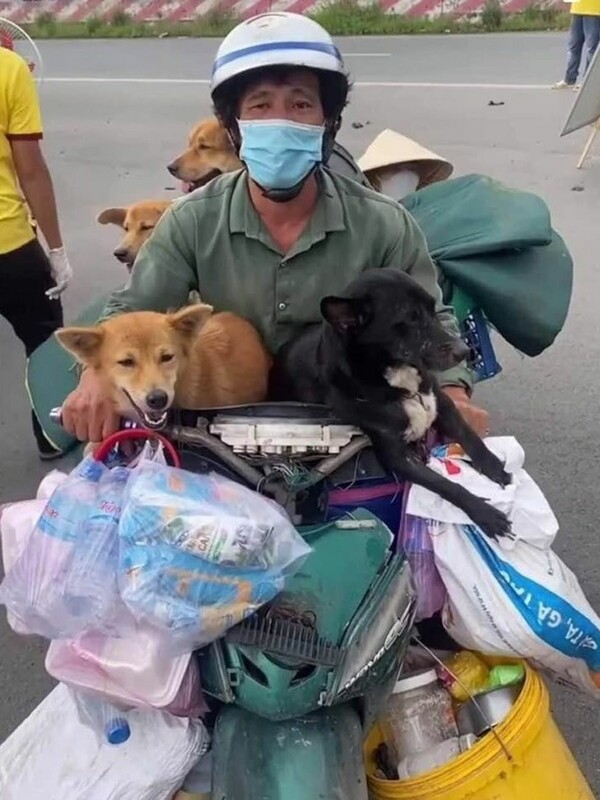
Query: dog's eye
{"points": [[166, 357], [126, 362]]}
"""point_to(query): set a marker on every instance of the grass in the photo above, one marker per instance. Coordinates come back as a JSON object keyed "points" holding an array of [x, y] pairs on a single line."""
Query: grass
{"points": [[340, 18]]}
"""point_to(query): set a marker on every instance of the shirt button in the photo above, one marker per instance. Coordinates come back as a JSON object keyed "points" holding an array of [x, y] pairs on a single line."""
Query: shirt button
{"points": [[282, 306]]}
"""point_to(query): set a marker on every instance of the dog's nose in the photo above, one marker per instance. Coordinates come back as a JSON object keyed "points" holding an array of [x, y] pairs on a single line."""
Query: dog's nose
{"points": [[157, 400], [121, 254], [172, 167]]}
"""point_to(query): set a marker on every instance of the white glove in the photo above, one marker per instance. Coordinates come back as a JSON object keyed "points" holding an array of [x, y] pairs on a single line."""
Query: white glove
{"points": [[61, 272]]}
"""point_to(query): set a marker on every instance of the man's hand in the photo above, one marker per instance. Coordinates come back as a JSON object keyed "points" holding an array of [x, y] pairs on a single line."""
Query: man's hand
{"points": [[478, 418], [61, 272], [89, 412]]}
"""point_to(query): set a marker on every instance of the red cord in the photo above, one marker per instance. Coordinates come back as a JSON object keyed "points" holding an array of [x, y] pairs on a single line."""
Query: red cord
{"points": [[106, 446]]}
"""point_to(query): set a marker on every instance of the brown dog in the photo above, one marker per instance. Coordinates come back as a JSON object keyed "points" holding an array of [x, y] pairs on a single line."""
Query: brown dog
{"points": [[209, 153], [189, 359], [138, 221]]}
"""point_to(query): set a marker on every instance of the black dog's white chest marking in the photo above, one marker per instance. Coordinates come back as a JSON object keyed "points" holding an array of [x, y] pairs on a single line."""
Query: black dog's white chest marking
{"points": [[420, 407]]}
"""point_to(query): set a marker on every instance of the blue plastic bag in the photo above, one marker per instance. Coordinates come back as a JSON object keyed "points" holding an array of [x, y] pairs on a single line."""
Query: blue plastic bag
{"points": [[199, 553]]}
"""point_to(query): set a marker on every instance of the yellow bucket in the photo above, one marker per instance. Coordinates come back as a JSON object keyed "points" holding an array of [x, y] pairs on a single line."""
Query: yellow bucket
{"points": [[540, 765]]}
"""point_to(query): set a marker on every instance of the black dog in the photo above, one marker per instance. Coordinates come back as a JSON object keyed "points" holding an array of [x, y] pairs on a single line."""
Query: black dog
{"points": [[372, 363]]}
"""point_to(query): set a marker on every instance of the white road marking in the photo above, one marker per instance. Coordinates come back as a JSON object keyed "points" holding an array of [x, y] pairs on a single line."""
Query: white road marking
{"points": [[366, 55], [357, 84]]}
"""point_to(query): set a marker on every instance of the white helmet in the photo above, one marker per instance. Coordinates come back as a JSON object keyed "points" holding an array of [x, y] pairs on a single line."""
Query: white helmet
{"points": [[279, 39], [275, 39]]}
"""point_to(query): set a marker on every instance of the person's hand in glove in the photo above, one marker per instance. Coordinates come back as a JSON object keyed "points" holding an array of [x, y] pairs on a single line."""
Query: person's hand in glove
{"points": [[61, 272]]}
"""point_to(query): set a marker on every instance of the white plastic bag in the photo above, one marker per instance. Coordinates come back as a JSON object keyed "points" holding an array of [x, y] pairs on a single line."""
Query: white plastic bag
{"points": [[52, 755], [63, 580], [522, 500], [60, 584], [514, 598], [17, 521]]}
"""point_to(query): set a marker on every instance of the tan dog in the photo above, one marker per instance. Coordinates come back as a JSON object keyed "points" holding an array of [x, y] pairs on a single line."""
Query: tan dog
{"points": [[138, 221], [209, 153], [190, 359]]}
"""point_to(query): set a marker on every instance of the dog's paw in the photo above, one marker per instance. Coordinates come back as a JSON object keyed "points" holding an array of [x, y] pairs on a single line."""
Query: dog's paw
{"points": [[493, 522], [491, 466]]}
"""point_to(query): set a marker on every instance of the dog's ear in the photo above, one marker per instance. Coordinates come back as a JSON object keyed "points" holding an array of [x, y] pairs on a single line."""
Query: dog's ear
{"points": [[345, 313], [116, 216], [83, 343], [189, 320]]}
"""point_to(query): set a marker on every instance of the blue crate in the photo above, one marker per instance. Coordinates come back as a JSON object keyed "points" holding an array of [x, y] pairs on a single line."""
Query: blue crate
{"points": [[476, 335]]}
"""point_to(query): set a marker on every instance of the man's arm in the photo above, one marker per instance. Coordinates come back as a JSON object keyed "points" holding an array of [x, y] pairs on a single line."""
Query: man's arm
{"points": [[164, 272], [409, 253], [24, 132], [36, 184]]}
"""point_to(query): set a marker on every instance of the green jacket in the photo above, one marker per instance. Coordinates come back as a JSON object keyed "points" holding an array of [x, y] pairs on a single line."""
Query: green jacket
{"points": [[212, 241]]}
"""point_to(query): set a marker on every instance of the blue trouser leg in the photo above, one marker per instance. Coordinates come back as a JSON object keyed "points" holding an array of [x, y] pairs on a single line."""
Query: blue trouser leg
{"points": [[591, 33], [576, 40]]}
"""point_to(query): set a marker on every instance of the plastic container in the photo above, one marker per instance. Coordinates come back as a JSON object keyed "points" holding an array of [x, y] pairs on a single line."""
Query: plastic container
{"points": [[419, 715], [132, 671], [536, 764], [472, 673], [417, 763]]}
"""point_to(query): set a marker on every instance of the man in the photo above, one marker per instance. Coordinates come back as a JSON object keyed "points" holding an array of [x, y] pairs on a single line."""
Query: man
{"points": [[30, 282], [268, 242], [585, 30]]}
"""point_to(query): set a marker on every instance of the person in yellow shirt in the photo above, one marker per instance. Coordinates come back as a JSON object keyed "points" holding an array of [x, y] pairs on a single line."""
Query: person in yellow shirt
{"points": [[584, 31], [31, 280]]}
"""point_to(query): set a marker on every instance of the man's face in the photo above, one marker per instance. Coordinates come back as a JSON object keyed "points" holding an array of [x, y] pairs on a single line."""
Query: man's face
{"points": [[296, 98]]}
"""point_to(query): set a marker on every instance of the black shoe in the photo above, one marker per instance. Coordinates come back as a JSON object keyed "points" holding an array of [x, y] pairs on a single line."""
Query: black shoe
{"points": [[48, 453]]}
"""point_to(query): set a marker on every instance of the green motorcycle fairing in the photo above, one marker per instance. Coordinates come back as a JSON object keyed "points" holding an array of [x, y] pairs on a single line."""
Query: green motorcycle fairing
{"points": [[315, 757], [360, 598]]}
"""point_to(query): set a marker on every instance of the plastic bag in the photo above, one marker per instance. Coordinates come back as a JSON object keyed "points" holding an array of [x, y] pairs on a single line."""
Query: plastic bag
{"points": [[199, 553], [64, 582], [90, 590], [523, 602], [52, 755], [17, 522], [33, 589], [512, 598], [415, 540]]}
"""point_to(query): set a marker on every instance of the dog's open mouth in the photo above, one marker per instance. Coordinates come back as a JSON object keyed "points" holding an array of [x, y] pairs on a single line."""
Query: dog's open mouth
{"points": [[190, 186], [154, 420]]}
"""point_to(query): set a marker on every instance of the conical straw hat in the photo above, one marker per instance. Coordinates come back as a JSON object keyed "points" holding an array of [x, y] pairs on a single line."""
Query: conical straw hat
{"points": [[391, 148]]}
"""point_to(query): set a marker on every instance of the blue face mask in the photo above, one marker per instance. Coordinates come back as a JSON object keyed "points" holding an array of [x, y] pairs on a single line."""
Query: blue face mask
{"points": [[279, 153]]}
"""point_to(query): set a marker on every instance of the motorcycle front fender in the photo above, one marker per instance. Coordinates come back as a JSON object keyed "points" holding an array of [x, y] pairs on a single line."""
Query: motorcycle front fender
{"points": [[318, 756]]}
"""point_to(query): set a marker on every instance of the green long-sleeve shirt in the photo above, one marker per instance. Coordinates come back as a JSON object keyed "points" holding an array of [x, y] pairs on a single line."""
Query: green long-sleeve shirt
{"points": [[213, 241]]}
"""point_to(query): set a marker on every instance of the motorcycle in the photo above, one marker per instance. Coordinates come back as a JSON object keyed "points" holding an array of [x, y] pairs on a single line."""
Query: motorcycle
{"points": [[297, 686]]}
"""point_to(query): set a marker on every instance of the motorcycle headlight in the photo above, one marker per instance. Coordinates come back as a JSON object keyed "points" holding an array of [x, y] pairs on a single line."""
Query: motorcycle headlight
{"points": [[377, 634]]}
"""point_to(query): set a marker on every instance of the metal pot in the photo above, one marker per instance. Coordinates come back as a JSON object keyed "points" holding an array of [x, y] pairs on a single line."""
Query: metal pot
{"points": [[486, 710]]}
